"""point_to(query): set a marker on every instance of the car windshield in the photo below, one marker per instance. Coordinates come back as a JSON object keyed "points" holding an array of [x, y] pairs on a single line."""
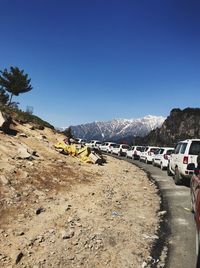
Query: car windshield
{"points": [[195, 148]]}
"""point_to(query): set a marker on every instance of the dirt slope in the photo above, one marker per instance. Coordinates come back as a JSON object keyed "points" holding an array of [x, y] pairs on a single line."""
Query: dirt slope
{"points": [[56, 211]]}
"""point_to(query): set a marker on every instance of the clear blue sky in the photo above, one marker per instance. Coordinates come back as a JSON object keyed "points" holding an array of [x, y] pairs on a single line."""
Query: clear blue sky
{"points": [[95, 60]]}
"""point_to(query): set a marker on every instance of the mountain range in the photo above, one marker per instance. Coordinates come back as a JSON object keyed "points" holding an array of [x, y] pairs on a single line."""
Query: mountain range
{"points": [[117, 129], [179, 125]]}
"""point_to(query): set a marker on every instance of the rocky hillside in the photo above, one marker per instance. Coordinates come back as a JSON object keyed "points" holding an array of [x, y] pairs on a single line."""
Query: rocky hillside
{"points": [[179, 125], [56, 211], [118, 128]]}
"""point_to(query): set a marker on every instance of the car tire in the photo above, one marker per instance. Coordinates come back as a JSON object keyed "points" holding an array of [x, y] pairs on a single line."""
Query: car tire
{"points": [[192, 208], [169, 171], [147, 162], [177, 177], [161, 166], [153, 163], [192, 199]]}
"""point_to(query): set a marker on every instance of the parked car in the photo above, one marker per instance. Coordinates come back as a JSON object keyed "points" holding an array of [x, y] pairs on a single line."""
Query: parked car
{"points": [[129, 152], [195, 202], [161, 158], [185, 152], [80, 141], [134, 152], [147, 155], [93, 144], [106, 146], [119, 149], [137, 152]]}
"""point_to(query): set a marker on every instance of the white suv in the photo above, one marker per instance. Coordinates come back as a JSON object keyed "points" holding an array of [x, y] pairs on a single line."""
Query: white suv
{"points": [[161, 159], [106, 146], [185, 153], [147, 155], [119, 149], [134, 152], [94, 144]]}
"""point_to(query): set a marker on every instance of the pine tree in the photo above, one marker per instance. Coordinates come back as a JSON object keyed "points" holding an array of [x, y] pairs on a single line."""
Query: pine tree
{"points": [[15, 81], [4, 97]]}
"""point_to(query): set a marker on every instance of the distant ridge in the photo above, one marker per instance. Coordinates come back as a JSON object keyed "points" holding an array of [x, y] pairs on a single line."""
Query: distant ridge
{"points": [[117, 129], [179, 125]]}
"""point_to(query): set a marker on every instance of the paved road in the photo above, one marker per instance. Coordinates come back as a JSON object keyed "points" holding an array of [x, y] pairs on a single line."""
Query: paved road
{"points": [[176, 200]]}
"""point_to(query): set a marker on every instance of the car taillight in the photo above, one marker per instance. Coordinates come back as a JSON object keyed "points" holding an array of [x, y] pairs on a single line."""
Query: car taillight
{"points": [[185, 160], [166, 156]]}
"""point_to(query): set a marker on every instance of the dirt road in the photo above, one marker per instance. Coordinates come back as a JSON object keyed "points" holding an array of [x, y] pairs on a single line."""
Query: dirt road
{"points": [[180, 220]]}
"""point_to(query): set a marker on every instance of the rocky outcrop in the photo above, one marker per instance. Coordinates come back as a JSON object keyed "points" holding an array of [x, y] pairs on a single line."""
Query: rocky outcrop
{"points": [[179, 125], [5, 122]]}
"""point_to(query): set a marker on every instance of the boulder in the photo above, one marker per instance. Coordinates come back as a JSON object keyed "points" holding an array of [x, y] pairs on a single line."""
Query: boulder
{"points": [[23, 154], [4, 180], [5, 122]]}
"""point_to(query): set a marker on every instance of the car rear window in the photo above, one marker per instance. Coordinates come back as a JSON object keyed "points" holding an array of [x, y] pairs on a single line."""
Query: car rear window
{"points": [[169, 152], [195, 148], [153, 149], [125, 146], [115, 145]]}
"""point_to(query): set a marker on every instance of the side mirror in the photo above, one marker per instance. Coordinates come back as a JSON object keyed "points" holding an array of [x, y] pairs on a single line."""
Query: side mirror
{"points": [[191, 166]]}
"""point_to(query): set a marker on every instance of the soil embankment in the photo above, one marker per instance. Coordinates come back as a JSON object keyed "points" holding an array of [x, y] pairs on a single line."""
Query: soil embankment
{"points": [[56, 211]]}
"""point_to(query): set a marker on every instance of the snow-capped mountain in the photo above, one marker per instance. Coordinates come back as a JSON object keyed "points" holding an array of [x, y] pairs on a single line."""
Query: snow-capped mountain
{"points": [[118, 128]]}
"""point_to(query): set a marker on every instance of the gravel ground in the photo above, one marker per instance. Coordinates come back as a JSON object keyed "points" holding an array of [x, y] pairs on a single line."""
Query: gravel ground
{"points": [[59, 212]]}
